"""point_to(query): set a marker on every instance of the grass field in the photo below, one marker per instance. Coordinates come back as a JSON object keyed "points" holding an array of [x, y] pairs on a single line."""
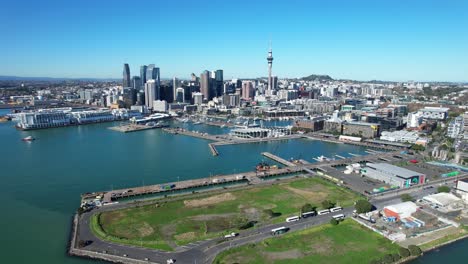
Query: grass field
{"points": [[169, 224], [347, 242]]}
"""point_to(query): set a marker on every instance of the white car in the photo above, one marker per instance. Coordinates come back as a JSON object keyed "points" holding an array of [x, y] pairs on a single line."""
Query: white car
{"points": [[170, 261]]}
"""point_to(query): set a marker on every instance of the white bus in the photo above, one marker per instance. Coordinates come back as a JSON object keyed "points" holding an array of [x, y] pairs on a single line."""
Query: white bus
{"points": [[336, 209], [292, 219], [339, 217], [323, 212], [308, 214], [279, 230]]}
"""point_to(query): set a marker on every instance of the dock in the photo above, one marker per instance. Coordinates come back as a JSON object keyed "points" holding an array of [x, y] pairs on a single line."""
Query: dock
{"points": [[252, 177], [134, 128], [213, 149], [278, 159], [181, 131]]}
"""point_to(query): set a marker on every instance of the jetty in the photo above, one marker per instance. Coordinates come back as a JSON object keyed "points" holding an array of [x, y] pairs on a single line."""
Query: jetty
{"points": [[134, 127], [278, 159]]}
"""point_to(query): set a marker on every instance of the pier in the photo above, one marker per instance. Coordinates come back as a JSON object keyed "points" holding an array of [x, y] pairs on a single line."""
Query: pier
{"points": [[134, 128], [252, 177], [278, 159], [213, 149]]}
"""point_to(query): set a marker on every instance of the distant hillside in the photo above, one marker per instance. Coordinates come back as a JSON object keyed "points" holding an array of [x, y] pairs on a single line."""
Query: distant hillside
{"points": [[317, 76], [20, 78]]}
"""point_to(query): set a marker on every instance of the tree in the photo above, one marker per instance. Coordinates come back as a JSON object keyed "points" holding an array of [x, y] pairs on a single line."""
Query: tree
{"points": [[406, 197], [363, 206], [417, 147], [396, 257], [414, 250], [307, 208], [388, 259], [327, 204], [334, 222], [444, 189], [404, 252]]}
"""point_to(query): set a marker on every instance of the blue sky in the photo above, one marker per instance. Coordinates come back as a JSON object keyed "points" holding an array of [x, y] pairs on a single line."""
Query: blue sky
{"points": [[374, 39]]}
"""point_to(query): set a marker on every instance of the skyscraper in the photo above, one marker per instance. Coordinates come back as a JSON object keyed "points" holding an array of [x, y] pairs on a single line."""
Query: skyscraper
{"points": [[247, 90], [152, 73], [126, 76], [219, 82], [205, 85], [175, 85], [150, 93], [143, 69], [180, 95], [136, 83], [270, 64]]}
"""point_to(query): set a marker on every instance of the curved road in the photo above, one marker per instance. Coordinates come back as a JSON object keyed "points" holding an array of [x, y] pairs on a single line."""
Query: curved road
{"points": [[206, 251]]}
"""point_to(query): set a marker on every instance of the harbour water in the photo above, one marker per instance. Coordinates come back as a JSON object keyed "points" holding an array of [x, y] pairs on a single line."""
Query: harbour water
{"points": [[41, 181]]}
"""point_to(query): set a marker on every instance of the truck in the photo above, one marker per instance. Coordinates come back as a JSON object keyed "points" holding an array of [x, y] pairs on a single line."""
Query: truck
{"points": [[167, 187], [231, 235], [367, 218]]}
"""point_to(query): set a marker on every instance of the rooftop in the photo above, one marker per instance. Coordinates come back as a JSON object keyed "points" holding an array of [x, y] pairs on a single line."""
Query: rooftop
{"points": [[400, 172]]}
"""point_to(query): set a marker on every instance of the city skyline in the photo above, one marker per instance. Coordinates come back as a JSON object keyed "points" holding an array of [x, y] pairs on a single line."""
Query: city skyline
{"points": [[363, 40]]}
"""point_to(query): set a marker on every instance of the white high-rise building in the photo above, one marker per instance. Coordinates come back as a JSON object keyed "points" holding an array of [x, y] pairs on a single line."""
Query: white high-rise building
{"points": [[150, 93]]}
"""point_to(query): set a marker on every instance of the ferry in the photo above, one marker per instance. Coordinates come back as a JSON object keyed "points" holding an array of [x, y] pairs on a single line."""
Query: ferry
{"points": [[29, 138], [263, 166], [322, 158]]}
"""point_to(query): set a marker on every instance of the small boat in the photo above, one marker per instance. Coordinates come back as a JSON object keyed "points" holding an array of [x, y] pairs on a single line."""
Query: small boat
{"points": [[29, 138], [197, 123]]}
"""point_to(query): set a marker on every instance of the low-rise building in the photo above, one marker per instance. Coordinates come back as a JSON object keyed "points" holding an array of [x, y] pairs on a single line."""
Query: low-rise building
{"points": [[445, 201], [401, 210], [393, 175], [361, 129], [434, 113], [462, 189]]}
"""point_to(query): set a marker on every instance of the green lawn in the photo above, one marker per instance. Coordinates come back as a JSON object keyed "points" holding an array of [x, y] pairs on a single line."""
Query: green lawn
{"points": [[167, 224], [347, 242]]}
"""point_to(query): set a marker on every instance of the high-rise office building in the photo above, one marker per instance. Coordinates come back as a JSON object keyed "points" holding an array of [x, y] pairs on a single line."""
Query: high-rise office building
{"points": [[152, 73], [150, 93], [219, 82], [247, 90], [136, 83], [180, 95], [205, 85], [143, 69], [175, 85], [197, 98], [126, 76]]}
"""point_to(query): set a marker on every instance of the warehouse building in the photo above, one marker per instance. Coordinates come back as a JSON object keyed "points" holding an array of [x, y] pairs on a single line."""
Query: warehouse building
{"points": [[393, 175], [401, 210]]}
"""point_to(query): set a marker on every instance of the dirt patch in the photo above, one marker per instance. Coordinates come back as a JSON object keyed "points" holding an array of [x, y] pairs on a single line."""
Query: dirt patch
{"points": [[322, 246], [186, 236], [252, 213], [145, 230], [290, 254], [167, 231], [210, 200], [309, 195], [211, 216]]}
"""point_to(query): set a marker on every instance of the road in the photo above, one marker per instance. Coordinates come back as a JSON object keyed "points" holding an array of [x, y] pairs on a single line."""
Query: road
{"points": [[198, 252], [206, 251]]}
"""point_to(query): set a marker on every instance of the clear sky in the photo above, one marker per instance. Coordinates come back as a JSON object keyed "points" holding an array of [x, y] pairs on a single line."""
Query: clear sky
{"points": [[363, 40]]}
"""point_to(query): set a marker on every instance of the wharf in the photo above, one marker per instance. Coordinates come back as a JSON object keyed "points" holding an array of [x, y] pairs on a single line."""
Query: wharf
{"points": [[218, 124], [185, 132], [252, 177], [134, 127], [278, 159], [213, 149]]}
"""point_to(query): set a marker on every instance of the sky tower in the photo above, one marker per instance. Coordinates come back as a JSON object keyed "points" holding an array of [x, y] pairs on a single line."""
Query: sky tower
{"points": [[270, 64]]}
